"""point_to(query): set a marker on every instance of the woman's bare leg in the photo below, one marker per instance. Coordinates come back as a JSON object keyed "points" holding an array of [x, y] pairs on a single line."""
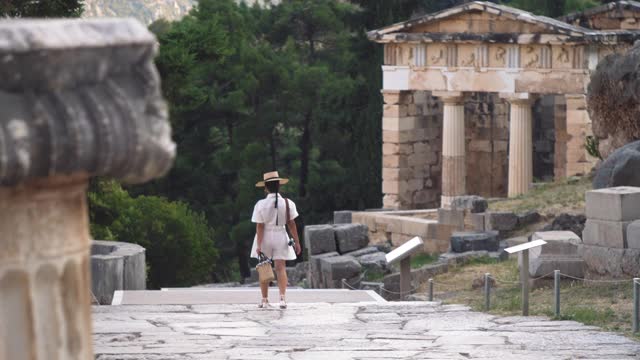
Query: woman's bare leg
{"points": [[264, 289], [281, 270]]}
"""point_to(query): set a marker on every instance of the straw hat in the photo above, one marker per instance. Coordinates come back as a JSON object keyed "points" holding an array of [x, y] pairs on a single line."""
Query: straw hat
{"points": [[271, 176]]}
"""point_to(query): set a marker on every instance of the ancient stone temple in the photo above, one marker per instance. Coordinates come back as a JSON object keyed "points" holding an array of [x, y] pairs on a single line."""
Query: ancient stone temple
{"points": [[78, 98], [481, 98]]}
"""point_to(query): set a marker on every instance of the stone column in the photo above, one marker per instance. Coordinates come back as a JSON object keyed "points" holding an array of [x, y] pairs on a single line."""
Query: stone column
{"points": [[520, 144], [454, 167], [578, 125], [78, 98]]}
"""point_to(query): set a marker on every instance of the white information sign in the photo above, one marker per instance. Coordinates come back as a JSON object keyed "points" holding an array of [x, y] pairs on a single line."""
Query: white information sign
{"points": [[525, 246], [405, 250]]}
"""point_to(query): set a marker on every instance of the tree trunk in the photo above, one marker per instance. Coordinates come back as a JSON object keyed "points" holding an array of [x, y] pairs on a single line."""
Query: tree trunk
{"points": [[305, 145]]}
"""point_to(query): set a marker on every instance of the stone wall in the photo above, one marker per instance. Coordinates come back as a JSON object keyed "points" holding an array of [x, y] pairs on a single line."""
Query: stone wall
{"points": [[487, 140], [544, 138], [412, 148]]}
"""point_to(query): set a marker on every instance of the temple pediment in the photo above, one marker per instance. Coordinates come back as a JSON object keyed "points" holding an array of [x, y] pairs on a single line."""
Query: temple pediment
{"points": [[481, 21], [619, 15]]}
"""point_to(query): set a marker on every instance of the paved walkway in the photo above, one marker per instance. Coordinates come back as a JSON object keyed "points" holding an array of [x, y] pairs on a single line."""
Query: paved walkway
{"points": [[409, 330], [199, 296]]}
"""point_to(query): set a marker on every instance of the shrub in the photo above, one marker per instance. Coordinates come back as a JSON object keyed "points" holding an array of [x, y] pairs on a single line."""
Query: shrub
{"points": [[179, 242]]}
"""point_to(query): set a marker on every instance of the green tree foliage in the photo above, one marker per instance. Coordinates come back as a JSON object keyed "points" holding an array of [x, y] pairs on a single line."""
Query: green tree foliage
{"points": [[41, 8], [553, 8], [178, 241]]}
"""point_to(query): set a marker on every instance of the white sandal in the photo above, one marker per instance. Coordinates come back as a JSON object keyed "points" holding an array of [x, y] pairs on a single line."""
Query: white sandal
{"points": [[283, 304], [264, 303]]}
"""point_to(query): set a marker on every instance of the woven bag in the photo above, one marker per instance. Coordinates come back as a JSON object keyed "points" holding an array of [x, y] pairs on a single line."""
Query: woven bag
{"points": [[265, 271]]}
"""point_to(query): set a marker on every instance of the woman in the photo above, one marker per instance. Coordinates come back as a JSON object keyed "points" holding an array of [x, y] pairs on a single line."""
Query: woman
{"points": [[270, 216]]}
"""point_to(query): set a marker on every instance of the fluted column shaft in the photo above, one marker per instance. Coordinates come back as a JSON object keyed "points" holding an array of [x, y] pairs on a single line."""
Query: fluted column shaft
{"points": [[454, 171], [520, 147]]}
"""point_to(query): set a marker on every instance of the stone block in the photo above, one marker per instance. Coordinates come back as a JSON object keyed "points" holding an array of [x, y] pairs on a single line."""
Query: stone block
{"points": [[528, 218], [472, 203], [342, 217], [570, 265], [336, 268], [605, 233], [451, 217], [132, 270], [376, 261], [319, 239], [614, 204], [610, 262], [633, 235], [416, 227], [350, 237], [471, 241], [107, 276], [477, 221], [365, 251], [314, 274], [501, 221]]}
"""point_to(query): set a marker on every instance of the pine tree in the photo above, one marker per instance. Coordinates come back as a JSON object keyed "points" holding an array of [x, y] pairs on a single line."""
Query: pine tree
{"points": [[41, 8]]}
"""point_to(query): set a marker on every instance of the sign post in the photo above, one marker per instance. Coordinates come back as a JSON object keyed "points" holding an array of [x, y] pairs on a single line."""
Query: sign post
{"points": [[523, 249], [403, 255]]}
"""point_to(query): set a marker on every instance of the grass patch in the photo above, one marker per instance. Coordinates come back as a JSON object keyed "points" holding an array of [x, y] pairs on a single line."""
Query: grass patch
{"points": [[550, 198], [608, 306], [421, 260], [374, 276]]}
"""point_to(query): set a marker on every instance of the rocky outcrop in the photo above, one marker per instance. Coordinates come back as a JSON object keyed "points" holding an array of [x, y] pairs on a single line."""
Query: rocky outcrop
{"points": [[613, 98], [622, 168]]}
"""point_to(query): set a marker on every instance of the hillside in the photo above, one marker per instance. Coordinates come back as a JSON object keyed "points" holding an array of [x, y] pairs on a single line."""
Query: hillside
{"points": [[146, 11]]}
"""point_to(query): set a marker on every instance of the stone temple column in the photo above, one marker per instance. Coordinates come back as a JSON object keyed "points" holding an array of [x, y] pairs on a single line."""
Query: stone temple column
{"points": [[520, 144], [454, 166], [77, 98]]}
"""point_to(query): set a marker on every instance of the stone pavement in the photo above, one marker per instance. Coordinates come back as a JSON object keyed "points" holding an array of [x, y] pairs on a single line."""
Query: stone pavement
{"points": [[202, 296], [400, 330]]}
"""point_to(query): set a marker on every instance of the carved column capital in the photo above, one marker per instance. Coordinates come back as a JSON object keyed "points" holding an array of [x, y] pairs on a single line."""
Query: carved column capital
{"points": [[450, 97], [81, 97]]}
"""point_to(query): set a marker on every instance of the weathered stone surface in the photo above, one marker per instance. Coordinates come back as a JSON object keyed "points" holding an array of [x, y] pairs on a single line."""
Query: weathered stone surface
{"points": [[622, 168], [528, 218], [133, 269], [614, 204], [453, 217], [501, 221], [568, 265], [633, 235], [342, 217], [336, 268], [470, 241], [79, 98], [610, 262], [477, 221], [472, 203], [350, 237], [107, 276], [606, 233], [319, 239], [314, 276], [364, 251], [394, 330], [559, 253], [418, 276], [611, 102], [376, 261], [568, 222], [124, 134]]}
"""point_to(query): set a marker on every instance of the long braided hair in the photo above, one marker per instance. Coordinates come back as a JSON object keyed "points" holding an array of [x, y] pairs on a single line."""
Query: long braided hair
{"points": [[274, 188]]}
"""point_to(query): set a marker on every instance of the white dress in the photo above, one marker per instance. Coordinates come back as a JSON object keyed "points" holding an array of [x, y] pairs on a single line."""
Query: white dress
{"points": [[275, 242]]}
